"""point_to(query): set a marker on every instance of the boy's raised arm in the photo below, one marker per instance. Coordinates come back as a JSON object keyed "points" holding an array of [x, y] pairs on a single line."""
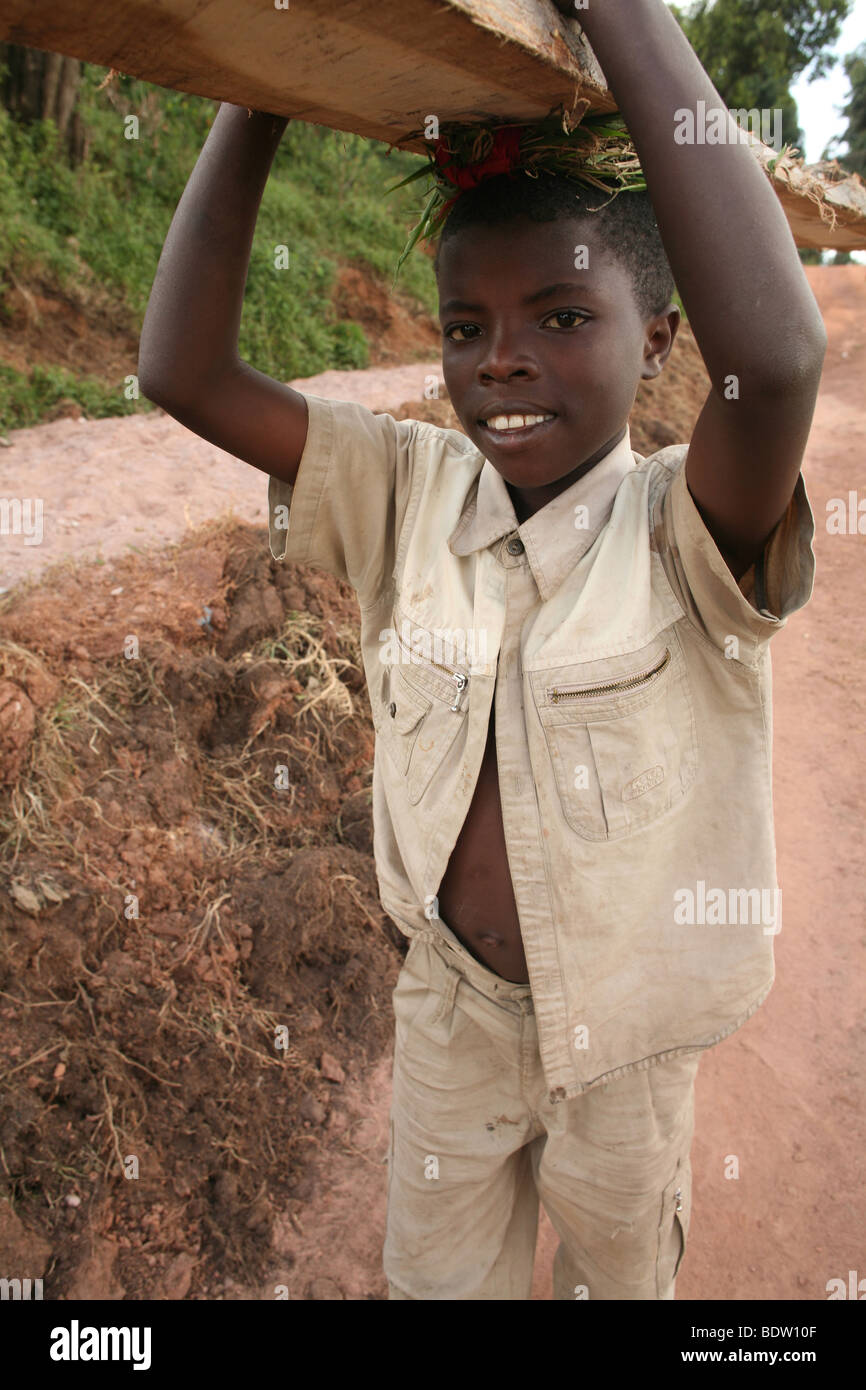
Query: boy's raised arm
{"points": [[188, 358], [736, 267]]}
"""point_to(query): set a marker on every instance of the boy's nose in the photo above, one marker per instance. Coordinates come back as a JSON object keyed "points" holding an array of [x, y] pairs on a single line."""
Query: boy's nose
{"points": [[505, 358]]}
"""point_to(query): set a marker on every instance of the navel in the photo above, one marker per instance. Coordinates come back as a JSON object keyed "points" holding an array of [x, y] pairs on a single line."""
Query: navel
{"points": [[490, 939]]}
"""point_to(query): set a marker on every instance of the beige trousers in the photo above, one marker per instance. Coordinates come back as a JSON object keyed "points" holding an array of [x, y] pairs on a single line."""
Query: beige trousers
{"points": [[475, 1142]]}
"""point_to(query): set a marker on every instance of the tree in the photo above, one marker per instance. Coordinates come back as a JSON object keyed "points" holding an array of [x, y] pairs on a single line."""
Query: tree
{"points": [[854, 111], [38, 86], [752, 53]]}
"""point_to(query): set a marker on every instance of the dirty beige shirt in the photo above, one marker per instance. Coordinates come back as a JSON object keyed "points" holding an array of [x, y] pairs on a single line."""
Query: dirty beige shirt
{"points": [[632, 682]]}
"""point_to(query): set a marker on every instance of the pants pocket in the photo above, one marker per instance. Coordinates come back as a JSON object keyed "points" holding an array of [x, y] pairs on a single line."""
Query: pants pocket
{"points": [[389, 1166], [412, 991], [447, 994], [673, 1228]]}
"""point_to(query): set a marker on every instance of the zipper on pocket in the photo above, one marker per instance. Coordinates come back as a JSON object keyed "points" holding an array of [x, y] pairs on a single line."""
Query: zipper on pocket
{"points": [[460, 679], [576, 692]]}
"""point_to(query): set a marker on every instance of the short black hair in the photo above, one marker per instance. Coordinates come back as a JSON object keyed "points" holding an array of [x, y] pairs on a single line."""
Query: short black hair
{"points": [[626, 222]]}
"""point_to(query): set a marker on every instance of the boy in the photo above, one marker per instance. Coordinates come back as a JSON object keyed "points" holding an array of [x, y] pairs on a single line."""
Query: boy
{"points": [[566, 651]]}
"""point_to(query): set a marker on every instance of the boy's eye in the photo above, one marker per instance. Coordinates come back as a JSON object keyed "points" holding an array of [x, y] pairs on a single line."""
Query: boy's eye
{"points": [[469, 330], [459, 328], [565, 314]]}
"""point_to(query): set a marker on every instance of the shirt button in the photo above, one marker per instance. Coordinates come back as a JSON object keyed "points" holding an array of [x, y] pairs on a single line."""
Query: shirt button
{"points": [[514, 546], [392, 709]]}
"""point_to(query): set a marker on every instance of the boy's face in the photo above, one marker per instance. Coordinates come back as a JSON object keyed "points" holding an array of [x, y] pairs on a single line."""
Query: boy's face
{"points": [[524, 332]]}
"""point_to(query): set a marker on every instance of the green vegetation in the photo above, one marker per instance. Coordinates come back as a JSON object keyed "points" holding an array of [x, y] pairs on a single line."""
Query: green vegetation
{"points": [[854, 113], [26, 399], [753, 52], [98, 228]]}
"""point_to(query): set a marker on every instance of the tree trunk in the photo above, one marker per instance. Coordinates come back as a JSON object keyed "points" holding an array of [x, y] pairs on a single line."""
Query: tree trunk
{"points": [[44, 86]]}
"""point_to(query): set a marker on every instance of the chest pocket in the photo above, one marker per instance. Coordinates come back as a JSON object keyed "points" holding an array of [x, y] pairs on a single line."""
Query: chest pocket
{"points": [[621, 737], [422, 710]]}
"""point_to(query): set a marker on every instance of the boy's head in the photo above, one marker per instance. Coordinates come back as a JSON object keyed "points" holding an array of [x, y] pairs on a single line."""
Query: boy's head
{"points": [[577, 352]]}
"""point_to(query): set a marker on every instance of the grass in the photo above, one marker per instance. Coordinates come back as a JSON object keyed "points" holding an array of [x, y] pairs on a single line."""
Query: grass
{"points": [[25, 399], [96, 232]]}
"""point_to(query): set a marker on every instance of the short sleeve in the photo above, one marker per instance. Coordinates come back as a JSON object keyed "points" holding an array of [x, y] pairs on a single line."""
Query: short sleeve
{"points": [[347, 505], [757, 605]]}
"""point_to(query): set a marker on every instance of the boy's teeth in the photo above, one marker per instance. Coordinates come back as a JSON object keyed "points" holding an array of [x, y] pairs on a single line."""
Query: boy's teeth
{"points": [[515, 422]]}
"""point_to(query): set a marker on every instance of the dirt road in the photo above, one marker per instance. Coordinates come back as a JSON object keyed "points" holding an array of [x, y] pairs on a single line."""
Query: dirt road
{"points": [[785, 1094], [138, 481]]}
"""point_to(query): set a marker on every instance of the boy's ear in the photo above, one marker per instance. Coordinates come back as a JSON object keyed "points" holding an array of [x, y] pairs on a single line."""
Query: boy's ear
{"points": [[660, 334]]}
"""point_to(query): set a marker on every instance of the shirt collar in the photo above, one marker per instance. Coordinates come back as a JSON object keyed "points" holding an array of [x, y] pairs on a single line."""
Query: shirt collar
{"points": [[558, 535]]}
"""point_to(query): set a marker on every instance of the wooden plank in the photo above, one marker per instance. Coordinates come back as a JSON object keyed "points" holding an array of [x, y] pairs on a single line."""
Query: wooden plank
{"points": [[380, 69], [374, 68], [825, 206]]}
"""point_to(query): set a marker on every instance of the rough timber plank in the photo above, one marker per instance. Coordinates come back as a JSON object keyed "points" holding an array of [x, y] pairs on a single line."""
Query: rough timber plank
{"points": [[374, 68], [803, 188], [379, 69]]}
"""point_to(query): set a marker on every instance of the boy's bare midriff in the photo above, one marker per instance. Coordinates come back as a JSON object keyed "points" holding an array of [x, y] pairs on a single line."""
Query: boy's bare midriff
{"points": [[476, 898]]}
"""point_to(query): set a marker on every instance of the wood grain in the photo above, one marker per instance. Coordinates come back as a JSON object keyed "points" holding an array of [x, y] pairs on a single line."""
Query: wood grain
{"points": [[374, 68]]}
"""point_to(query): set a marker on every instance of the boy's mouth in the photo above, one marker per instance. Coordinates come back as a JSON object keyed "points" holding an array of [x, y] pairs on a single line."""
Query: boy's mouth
{"points": [[517, 426]]}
